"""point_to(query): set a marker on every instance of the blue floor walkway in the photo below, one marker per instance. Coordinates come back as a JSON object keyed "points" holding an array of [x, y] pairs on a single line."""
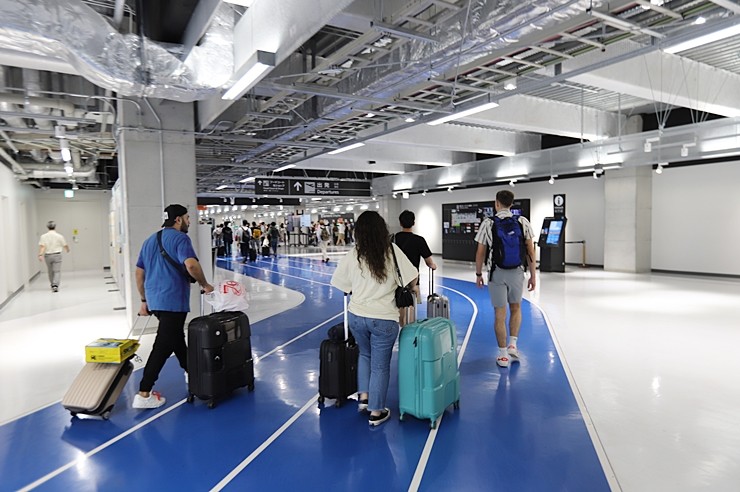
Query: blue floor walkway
{"points": [[516, 429]]}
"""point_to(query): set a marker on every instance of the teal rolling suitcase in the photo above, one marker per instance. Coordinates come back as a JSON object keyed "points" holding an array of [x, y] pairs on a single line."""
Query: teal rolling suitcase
{"points": [[428, 377]]}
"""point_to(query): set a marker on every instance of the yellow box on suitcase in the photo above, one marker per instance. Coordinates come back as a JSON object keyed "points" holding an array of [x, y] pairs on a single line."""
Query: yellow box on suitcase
{"points": [[110, 350]]}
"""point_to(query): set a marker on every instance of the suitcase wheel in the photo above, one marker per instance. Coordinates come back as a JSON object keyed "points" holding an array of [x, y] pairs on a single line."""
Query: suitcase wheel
{"points": [[321, 400], [106, 415], [456, 405], [211, 404], [74, 414], [250, 387], [338, 403], [433, 423], [400, 417], [190, 398]]}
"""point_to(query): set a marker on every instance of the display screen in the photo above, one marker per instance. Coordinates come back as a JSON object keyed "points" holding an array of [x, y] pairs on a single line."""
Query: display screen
{"points": [[553, 232]]}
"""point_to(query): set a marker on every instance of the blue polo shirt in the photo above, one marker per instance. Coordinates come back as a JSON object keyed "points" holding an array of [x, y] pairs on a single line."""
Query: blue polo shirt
{"points": [[166, 288]]}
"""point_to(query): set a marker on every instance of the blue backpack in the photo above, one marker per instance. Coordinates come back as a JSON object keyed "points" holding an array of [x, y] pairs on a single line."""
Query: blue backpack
{"points": [[509, 250]]}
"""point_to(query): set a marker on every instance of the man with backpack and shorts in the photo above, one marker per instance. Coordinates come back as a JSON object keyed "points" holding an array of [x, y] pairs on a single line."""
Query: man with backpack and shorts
{"points": [[505, 245]]}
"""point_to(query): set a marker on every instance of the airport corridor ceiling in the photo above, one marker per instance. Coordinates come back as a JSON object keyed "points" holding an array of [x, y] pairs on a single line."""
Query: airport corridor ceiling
{"points": [[355, 90]]}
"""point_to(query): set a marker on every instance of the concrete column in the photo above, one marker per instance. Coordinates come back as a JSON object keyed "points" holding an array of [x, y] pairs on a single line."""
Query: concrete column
{"points": [[156, 168], [628, 220]]}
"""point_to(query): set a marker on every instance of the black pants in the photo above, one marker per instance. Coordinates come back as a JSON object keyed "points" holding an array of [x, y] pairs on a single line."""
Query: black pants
{"points": [[170, 338], [244, 247]]}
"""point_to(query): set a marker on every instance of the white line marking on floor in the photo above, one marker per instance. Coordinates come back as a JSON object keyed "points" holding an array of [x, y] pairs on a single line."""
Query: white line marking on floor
{"points": [[296, 338], [427, 451], [228, 478], [287, 275], [87, 455], [611, 477], [61, 469]]}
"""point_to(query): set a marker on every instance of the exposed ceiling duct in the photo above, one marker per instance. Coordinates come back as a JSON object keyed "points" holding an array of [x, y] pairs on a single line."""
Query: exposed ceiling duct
{"points": [[76, 34], [468, 34]]}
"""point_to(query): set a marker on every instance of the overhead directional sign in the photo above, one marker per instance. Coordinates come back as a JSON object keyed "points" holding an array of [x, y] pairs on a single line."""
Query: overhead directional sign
{"points": [[310, 187]]}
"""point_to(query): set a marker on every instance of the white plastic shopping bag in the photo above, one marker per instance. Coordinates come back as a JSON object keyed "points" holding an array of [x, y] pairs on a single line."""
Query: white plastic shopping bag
{"points": [[228, 295]]}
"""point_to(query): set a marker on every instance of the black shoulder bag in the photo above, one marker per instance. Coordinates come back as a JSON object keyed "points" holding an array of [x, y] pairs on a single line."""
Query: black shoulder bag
{"points": [[404, 296], [178, 267]]}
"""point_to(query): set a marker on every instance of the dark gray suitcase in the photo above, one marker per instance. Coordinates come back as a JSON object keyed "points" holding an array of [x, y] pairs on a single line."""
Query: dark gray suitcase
{"points": [[438, 306], [219, 356], [338, 365]]}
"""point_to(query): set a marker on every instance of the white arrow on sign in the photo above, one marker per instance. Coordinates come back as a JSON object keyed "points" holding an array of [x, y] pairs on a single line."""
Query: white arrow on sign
{"points": [[259, 182], [297, 186]]}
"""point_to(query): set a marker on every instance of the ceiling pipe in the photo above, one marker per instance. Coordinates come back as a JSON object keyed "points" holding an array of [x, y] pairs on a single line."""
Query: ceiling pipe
{"points": [[9, 141], [8, 107], [118, 13], [32, 84], [67, 107], [16, 167]]}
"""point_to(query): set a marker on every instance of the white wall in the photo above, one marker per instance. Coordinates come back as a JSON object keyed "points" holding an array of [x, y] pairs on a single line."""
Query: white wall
{"points": [[696, 219], [584, 209], [18, 246], [87, 214]]}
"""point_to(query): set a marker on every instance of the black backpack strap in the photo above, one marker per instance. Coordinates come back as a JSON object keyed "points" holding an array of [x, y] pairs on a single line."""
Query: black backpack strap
{"points": [[177, 266]]}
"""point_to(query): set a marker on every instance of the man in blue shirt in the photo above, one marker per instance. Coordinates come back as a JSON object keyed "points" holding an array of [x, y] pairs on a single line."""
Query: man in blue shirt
{"points": [[164, 286]]}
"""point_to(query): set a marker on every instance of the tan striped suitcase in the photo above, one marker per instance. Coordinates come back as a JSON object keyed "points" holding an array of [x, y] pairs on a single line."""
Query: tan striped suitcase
{"points": [[96, 388]]}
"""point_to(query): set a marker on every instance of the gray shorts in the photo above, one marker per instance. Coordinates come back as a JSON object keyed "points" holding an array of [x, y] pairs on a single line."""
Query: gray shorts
{"points": [[506, 287]]}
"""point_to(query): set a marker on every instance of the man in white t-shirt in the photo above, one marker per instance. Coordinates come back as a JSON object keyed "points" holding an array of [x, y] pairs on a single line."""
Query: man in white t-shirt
{"points": [[506, 270], [51, 245]]}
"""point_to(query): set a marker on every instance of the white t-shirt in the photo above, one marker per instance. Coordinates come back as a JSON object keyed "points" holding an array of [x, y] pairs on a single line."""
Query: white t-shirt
{"points": [[369, 298], [53, 242], [485, 232]]}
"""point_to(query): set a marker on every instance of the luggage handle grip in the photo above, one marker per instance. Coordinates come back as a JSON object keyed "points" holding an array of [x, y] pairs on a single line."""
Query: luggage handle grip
{"points": [[431, 281]]}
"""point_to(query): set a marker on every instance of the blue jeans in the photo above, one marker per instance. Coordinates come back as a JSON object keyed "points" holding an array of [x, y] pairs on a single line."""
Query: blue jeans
{"points": [[376, 338]]}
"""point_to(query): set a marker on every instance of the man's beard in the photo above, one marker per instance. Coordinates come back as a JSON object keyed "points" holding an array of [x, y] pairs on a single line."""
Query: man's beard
{"points": [[184, 228]]}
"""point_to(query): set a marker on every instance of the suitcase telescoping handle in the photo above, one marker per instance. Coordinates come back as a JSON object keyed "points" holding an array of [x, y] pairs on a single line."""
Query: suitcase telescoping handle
{"points": [[141, 333], [431, 281], [346, 318]]}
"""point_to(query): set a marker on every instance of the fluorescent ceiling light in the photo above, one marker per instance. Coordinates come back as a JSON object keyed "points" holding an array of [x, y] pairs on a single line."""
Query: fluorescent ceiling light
{"points": [[284, 168], [69, 194], [221, 187], [463, 114], [705, 39], [445, 184], [247, 180], [346, 148], [409, 120], [252, 70], [66, 154]]}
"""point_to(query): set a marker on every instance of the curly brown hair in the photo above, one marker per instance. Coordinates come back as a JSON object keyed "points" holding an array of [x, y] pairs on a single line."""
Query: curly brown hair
{"points": [[373, 243]]}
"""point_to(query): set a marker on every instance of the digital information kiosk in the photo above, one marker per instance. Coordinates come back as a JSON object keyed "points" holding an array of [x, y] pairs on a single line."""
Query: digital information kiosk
{"points": [[552, 244]]}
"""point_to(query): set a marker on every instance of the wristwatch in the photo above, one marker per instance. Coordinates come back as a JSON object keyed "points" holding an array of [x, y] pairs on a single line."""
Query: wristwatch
{"points": [[478, 274]]}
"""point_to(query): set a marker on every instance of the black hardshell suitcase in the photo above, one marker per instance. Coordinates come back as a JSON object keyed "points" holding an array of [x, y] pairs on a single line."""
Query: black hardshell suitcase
{"points": [[338, 366], [219, 356]]}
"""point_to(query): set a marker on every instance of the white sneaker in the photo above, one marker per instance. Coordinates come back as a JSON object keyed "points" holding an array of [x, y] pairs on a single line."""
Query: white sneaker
{"points": [[513, 351], [155, 400], [502, 361]]}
